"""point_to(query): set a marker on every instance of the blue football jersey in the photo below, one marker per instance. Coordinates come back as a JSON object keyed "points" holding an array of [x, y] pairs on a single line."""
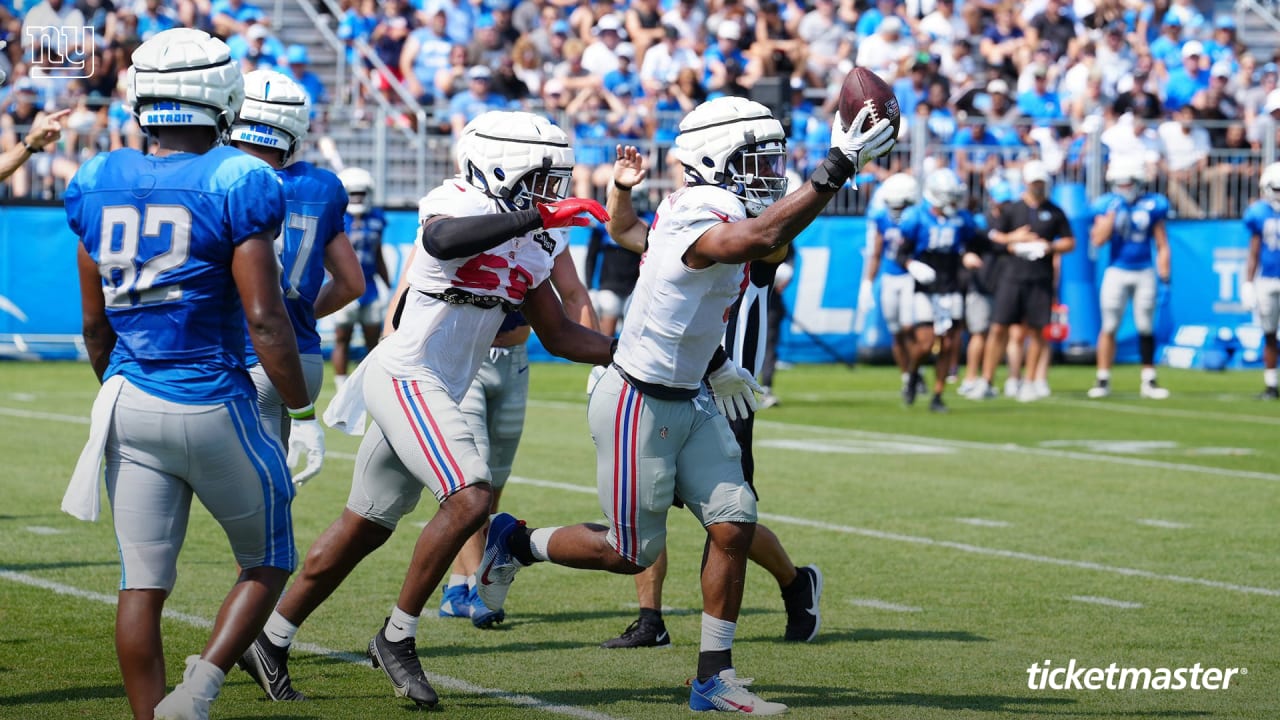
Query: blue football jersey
{"points": [[163, 231], [1132, 240], [365, 233], [1263, 220], [892, 235], [315, 203], [939, 242]]}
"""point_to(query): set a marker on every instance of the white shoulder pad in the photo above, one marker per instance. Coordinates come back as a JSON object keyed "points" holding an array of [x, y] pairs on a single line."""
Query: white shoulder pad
{"points": [[455, 198]]}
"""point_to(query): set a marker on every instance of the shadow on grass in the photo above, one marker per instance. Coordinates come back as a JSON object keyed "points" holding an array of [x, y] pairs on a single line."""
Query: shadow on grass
{"points": [[62, 695], [31, 567], [622, 616]]}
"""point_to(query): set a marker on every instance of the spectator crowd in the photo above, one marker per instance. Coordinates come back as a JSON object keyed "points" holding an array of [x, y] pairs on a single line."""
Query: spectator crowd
{"points": [[984, 85]]}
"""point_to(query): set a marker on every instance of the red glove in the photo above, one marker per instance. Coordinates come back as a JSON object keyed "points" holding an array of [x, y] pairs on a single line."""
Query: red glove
{"points": [[566, 212]]}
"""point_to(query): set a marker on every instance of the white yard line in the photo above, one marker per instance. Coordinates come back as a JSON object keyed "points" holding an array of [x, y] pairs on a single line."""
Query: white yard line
{"points": [[983, 522], [1163, 524], [43, 530], [1094, 600], [442, 681], [882, 605], [1150, 410]]}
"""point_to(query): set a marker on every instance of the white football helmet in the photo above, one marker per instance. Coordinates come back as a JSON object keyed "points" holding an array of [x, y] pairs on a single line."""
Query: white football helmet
{"points": [[184, 77], [1126, 176], [276, 113], [899, 192], [1270, 184], [517, 158], [738, 145], [358, 183], [944, 191]]}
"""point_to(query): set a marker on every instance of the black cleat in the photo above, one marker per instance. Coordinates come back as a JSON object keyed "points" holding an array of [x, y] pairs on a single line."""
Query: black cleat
{"points": [[911, 389], [399, 660], [936, 405], [1270, 393], [268, 665], [641, 633], [801, 600]]}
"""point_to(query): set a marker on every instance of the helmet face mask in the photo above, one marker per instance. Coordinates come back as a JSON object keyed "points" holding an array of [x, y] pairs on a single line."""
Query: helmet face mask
{"points": [[358, 183], [1127, 178], [944, 191], [542, 186], [899, 192], [758, 175], [516, 158], [1128, 188], [1270, 185]]}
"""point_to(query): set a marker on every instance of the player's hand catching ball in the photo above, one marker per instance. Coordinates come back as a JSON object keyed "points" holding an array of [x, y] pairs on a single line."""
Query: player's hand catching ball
{"points": [[565, 213], [862, 147]]}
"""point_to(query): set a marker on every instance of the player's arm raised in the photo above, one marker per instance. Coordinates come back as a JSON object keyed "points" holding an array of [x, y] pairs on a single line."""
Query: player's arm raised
{"points": [[625, 226], [781, 222], [99, 336], [561, 335], [347, 277]]}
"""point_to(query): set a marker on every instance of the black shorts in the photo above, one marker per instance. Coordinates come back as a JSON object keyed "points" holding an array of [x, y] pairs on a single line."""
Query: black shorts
{"points": [[1024, 302]]}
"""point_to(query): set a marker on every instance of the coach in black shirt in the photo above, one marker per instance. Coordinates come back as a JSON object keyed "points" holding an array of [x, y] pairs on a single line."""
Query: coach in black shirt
{"points": [[1033, 230]]}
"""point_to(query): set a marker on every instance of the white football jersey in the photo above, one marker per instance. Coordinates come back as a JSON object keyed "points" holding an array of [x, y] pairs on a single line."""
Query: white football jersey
{"points": [[678, 315], [447, 341]]}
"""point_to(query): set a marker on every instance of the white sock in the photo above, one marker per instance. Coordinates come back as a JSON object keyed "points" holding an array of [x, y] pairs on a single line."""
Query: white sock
{"points": [[203, 679], [717, 634], [1104, 375], [1148, 374], [1269, 377], [279, 630], [457, 579], [539, 540], [906, 377], [401, 626], [471, 582], [339, 381]]}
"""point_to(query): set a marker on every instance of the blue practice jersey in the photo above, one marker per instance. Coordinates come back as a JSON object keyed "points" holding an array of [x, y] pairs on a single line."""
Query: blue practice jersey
{"points": [[365, 233], [892, 240], [315, 204], [1132, 240], [1263, 220], [163, 231], [939, 242]]}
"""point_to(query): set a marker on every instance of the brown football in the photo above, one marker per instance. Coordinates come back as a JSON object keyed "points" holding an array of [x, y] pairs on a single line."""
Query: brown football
{"points": [[863, 88]]}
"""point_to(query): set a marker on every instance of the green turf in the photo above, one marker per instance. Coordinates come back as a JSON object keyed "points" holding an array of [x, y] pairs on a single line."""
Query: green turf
{"points": [[980, 526]]}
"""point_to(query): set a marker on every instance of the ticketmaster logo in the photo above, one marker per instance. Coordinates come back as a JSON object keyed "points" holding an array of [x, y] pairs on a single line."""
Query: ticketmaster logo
{"points": [[1042, 676]]}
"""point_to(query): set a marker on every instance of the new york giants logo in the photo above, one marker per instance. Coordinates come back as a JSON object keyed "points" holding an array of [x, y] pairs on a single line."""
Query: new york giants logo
{"points": [[62, 51]]}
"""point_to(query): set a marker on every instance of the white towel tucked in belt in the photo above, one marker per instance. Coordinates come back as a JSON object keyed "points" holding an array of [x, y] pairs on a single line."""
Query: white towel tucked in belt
{"points": [[346, 411], [82, 499]]}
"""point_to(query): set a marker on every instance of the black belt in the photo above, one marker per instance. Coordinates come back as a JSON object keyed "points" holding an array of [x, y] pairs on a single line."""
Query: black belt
{"points": [[455, 296], [660, 392]]}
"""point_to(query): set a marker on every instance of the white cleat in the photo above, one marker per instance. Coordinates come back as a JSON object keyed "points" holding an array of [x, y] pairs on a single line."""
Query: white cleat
{"points": [[182, 704], [1100, 390], [1027, 393], [727, 692], [1012, 388], [1152, 391], [1041, 389]]}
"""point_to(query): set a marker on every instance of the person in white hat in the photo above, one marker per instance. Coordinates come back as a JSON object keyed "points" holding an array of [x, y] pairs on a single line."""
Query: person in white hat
{"points": [[601, 56], [724, 52]]}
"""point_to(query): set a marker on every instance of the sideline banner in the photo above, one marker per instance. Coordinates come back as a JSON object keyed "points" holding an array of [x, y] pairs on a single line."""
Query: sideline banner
{"points": [[40, 301]]}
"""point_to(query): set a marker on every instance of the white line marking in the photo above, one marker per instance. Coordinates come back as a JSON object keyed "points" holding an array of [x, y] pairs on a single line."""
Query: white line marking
{"points": [[1149, 410], [962, 547], [882, 605], [855, 447], [1022, 450], [1165, 524], [983, 522], [445, 681], [1094, 600], [37, 415], [42, 530]]}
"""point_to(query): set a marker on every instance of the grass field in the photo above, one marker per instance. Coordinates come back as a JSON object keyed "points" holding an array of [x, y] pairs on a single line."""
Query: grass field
{"points": [[958, 550]]}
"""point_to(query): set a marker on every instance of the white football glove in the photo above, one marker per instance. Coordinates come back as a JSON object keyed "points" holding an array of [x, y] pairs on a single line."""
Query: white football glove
{"points": [[306, 438], [735, 391], [922, 273], [1249, 296], [597, 372], [863, 147], [1030, 250]]}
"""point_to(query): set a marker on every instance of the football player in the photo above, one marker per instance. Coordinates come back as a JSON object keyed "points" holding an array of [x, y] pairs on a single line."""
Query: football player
{"points": [[176, 254], [898, 193], [489, 238], [364, 225], [1130, 222], [801, 587], [272, 126], [937, 236], [658, 434], [1260, 291]]}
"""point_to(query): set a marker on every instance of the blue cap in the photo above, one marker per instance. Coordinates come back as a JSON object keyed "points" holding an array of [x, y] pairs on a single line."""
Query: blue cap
{"points": [[561, 27], [1271, 68], [484, 21], [1171, 18], [297, 55], [1225, 22]]}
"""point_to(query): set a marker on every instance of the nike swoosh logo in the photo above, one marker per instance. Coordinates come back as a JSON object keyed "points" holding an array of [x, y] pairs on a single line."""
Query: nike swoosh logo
{"points": [[397, 626], [269, 669], [278, 635], [526, 367], [741, 708], [662, 637]]}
